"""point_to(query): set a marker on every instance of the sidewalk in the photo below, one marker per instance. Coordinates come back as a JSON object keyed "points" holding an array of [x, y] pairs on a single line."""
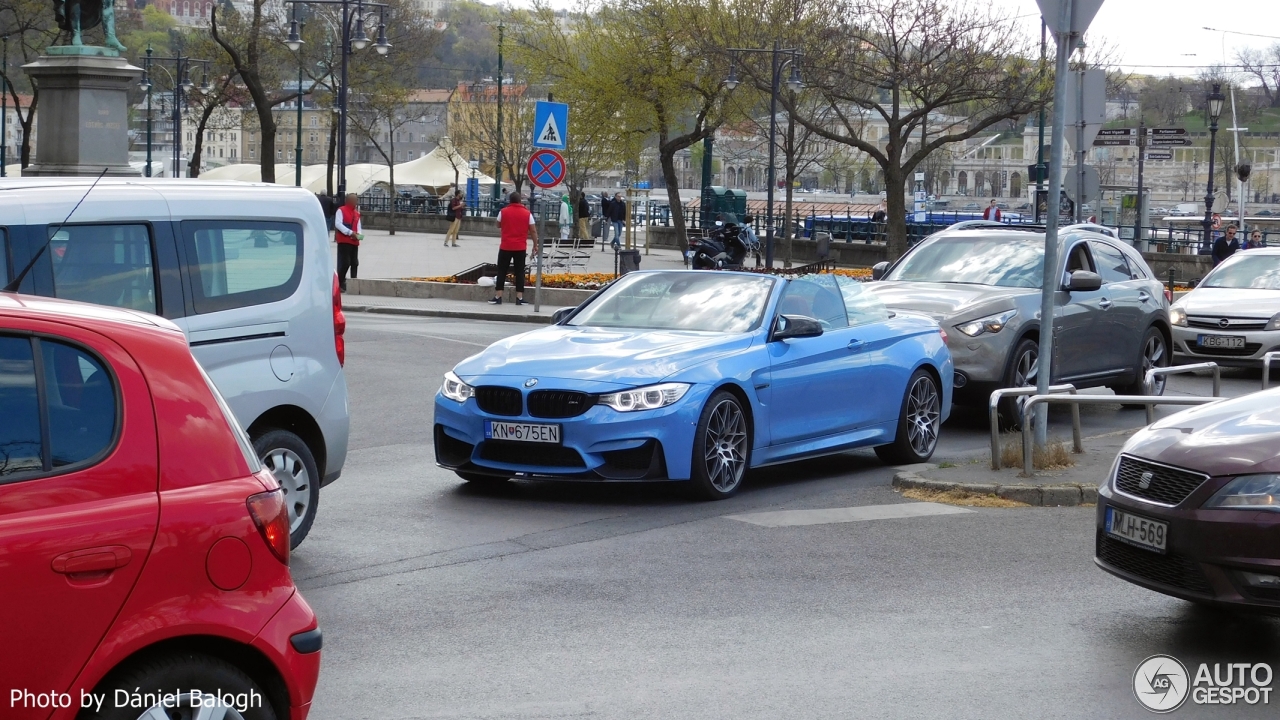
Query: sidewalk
{"points": [[413, 254], [970, 474], [439, 307]]}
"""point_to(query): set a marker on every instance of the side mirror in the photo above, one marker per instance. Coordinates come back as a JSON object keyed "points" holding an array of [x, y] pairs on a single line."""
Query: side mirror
{"points": [[879, 269], [789, 327], [561, 315], [1084, 281]]}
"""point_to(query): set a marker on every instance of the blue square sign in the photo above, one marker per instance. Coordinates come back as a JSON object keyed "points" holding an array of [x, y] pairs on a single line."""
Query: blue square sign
{"points": [[550, 125]]}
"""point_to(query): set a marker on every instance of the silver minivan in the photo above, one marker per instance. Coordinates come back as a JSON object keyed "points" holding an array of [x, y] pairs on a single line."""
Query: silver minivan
{"points": [[243, 269]]}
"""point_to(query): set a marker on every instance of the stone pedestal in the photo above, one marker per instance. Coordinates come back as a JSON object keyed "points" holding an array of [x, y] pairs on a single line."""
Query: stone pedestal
{"points": [[83, 119]]}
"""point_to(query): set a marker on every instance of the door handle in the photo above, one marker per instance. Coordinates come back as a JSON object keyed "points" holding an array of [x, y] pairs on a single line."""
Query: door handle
{"points": [[856, 345], [1144, 297], [1104, 303], [99, 559]]}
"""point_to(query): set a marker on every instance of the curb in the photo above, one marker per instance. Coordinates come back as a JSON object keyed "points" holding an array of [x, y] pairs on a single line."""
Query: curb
{"points": [[458, 314], [1061, 495]]}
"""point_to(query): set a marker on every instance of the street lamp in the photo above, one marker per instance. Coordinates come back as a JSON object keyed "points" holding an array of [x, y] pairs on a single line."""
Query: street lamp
{"points": [[4, 108], [353, 39], [792, 56], [294, 43], [1216, 99]]}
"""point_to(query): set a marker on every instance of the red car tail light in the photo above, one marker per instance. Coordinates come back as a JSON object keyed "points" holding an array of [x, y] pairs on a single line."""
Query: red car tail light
{"points": [[271, 516], [339, 323], [944, 334]]}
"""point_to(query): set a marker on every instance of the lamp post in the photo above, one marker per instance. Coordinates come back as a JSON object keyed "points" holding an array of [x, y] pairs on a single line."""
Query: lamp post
{"points": [[181, 79], [146, 88], [353, 38], [295, 44], [4, 109], [497, 168], [1215, 111], [792, 55]]}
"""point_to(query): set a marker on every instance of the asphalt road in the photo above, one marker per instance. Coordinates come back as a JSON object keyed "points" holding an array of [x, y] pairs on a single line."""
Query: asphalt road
{"points": [[544, 600]]}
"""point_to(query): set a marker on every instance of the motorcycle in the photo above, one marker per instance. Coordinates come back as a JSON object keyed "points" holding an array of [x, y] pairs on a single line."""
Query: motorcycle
{"points": [[727, 245]]}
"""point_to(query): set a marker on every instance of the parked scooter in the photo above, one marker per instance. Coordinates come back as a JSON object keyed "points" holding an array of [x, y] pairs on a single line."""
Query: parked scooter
{"points": [[725, 247]]}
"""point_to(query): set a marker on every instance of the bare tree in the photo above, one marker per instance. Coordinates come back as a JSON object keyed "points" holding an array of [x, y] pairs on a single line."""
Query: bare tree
{"points": [[30, 23], [1263, 65]]}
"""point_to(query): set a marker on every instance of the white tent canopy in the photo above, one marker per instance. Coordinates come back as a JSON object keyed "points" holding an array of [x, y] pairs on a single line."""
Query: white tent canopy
{"points": [[435, 171]]}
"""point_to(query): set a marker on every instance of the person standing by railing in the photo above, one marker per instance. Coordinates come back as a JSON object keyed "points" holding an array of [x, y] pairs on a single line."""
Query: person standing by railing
{"points": [[348, 231], [457, 208]]}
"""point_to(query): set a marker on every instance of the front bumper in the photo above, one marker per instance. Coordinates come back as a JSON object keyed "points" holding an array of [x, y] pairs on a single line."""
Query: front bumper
{"points": [[600, 444], [1257, 344], [1207, 550]]}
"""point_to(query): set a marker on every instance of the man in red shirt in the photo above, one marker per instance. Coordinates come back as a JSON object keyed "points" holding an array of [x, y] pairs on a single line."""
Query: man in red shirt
{"points": [[347, 233], [516, 227], [992, 212]]}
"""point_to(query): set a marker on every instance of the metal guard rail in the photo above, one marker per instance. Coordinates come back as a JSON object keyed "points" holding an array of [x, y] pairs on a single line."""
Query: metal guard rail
{"points": [[1266, 368], [1076, 400], [1148, 382], [994, 415]]}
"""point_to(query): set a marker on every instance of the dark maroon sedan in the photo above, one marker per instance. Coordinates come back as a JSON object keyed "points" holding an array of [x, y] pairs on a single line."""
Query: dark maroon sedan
{"points": [[1192, 507]]}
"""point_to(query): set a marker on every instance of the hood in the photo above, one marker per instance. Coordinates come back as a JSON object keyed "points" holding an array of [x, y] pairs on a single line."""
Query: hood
{"points": [[1232, 437], [941, 300], [617, 357], [1226, 302]]}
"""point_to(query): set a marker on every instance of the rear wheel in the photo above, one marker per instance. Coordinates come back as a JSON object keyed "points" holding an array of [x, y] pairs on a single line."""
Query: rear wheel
{"points": [[1024, 366], [721, 447], [190, 686], [1154, 354], [919, 422], [290, 461]]}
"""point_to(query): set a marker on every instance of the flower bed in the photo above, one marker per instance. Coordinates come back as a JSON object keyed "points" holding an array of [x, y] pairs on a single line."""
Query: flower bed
{"points": [[595, 281]]}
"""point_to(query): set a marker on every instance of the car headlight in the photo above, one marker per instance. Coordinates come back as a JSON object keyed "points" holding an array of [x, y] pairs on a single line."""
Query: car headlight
{"points": [[1249, 492], [989, 324], [1178, 316], [1274, 323], [456, 390], [645, 398]]}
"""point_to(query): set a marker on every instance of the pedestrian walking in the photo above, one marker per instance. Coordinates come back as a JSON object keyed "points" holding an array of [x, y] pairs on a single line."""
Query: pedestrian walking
{"points": [[1255, 240], [348, 231], [606, 203], [1225, 246], [992, 212], [584, 218], [516, 228], [566, 218], [457, 208], [616, 217]]}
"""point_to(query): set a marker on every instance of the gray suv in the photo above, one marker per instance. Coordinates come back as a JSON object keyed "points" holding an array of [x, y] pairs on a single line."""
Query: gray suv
{"points": [[983, 286]]}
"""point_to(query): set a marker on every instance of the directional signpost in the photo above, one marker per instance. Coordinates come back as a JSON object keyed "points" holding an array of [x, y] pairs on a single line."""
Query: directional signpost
{"points": [[1117, 137], [1159, 154], [1168, 137]]}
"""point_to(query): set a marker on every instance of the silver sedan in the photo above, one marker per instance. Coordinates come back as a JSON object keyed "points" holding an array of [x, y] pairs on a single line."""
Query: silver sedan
{"points": [[983, 286], [1233, 316]]}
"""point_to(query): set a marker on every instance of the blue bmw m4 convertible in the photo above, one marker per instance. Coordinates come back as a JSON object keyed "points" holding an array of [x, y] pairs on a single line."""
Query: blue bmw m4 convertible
{"points": [[697, 376]]}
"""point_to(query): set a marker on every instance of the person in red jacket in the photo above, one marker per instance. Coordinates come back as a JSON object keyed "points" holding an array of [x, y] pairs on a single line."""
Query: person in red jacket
{"points": [[348, 232], [517, 228], [992, 212]]}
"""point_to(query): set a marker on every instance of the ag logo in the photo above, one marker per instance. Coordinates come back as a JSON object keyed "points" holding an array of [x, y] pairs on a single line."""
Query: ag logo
{"points": [[1161, 683], [1145, 481]]}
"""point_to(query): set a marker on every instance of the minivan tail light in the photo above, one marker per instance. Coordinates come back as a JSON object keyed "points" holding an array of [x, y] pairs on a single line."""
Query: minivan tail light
{"points": [[339, 323], [271, 515]]}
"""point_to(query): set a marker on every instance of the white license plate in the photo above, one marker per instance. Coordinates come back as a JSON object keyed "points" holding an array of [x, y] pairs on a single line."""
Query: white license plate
{"points": [[1137, 530], [1229, 342], [522, 432]]}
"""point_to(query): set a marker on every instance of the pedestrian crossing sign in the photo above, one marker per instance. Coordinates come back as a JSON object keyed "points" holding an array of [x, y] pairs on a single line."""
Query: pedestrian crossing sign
{"points": [[550, 125]]}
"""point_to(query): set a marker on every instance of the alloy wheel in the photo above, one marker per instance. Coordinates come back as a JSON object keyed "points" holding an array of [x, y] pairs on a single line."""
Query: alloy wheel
{"points": [[923, 416], [1153, 353], [291, 473], [726, 446], [187, 706], [1024, 370]]}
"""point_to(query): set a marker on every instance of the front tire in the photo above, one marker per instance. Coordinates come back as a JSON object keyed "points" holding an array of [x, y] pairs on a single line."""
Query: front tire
{"points": [[181, 676], [291, 462], [1154, 354], [1024, 366], [919, 422], [721, 447]]}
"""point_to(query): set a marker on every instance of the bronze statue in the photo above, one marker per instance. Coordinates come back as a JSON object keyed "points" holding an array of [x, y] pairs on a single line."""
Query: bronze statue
{"points": [[75, 16]]}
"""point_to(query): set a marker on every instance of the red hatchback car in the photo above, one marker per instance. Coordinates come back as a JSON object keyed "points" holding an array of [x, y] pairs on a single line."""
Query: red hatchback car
{"points": [[143, 549]]}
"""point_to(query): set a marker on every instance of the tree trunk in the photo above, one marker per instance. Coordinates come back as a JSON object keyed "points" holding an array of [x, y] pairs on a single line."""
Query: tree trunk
{"points": [[193, 168], [790, 174], [333, 153], [391, 180], [896, 207], [667, 158]]}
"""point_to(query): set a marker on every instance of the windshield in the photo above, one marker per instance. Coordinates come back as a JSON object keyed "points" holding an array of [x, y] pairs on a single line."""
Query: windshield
{"points": [[976, 259], [707, 301], [1246, 271]]}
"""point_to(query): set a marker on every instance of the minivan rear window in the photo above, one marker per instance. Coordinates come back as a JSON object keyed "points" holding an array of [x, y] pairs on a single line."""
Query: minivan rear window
{"points": [[105, 265], [242, 263]]}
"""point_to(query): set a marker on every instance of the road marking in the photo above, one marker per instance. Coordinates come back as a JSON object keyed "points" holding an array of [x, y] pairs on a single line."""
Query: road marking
{"points": [[824, 516]]}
